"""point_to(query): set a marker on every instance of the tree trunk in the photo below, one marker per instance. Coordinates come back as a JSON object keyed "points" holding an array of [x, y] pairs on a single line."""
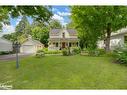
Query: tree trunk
{"points": [[107, 40]]}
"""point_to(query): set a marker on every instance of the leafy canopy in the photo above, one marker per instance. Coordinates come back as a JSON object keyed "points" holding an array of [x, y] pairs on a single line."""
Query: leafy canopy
{"points": [[39, 13], [98, 21]]}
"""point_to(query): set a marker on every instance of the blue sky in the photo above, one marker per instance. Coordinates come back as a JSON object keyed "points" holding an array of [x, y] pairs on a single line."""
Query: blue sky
{"points": [[61, 13]]}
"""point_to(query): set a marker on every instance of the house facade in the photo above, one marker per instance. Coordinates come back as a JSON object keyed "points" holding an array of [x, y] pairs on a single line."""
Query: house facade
{"points": [[31, 46], [62, 38], [117, 39], [5, 45]]}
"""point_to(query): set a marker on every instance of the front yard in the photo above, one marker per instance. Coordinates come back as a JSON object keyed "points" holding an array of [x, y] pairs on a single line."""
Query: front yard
{"points": [[64, 72]]}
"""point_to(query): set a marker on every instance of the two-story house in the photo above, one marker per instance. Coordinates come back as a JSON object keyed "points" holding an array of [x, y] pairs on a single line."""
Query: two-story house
{"points": [[62, 38]]}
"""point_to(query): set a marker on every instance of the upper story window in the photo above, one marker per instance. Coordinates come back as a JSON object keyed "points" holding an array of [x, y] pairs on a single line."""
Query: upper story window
{"points": [[125, 39], [63, 35]]}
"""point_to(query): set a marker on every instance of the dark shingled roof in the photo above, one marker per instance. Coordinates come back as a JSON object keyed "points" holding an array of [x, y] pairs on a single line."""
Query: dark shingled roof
{"points": [[72, 32], [56, 32]]}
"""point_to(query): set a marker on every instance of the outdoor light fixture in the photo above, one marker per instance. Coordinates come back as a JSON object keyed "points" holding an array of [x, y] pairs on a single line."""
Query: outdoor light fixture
{"points": [[17, 46]]}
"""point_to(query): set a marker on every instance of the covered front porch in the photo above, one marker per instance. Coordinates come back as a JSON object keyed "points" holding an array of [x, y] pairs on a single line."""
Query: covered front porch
{"points": [[60, 44]]}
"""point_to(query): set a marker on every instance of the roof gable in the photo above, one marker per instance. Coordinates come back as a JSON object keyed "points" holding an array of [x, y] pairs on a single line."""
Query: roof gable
{"points": [[32, 42], [56, 32]]}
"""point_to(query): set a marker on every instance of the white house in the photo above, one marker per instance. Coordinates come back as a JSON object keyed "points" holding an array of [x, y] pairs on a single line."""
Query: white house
{"points": [[62, 38], [31, 46], [117, 39], [5, 45]]}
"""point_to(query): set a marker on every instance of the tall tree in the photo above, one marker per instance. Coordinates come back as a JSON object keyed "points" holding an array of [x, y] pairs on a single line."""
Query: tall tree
{"points": [[41, 34], [55, 24], [39, 13], [70, 25], [23, 26], [99, 21]]}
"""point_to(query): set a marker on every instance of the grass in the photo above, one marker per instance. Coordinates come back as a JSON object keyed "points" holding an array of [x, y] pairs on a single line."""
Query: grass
{"points": [[64, 72]]}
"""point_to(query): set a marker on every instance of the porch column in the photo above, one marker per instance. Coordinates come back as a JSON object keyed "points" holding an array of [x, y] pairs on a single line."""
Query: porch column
{"points": [[68, 43], [59, 44]]}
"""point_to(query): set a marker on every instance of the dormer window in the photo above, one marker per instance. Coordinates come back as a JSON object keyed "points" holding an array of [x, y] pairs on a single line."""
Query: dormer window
{"points": [[63, 35]]}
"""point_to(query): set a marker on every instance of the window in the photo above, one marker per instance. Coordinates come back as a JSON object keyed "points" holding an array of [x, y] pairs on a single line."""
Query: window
{"points": [[69, 44], [63, 35], [125, 39], [56, 44], [77, 44]]}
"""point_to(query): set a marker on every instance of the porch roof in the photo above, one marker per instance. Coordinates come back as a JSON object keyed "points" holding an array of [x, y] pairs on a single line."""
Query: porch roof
{"points": [[63, 39]]}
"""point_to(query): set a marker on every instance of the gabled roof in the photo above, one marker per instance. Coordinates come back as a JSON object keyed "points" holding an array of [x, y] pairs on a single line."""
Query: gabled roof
{"points": [[119, 32], [56, 32], [32, 42], [3, 40], [72, 32]]}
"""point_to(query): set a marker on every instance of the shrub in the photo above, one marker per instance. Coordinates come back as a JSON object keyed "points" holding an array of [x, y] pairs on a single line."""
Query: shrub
{"points": [[5, 52], [95, 52], [101, 51], [53, 52], [75, 50], [120, 55], [40, 53], [45, 49], [66, 52]]}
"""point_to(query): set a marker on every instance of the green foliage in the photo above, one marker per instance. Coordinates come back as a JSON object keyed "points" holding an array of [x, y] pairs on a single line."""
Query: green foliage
{"points": [[22, 31], [93, 22], [75, 50], [93, 52], [65, 52], [5, 52], [40, 53], [53, 52], [23, 25], [55, 24], [120, 55], [71, 51], [39, 13], [70, 25], [41, 34], [46, 51], [101, 51]]}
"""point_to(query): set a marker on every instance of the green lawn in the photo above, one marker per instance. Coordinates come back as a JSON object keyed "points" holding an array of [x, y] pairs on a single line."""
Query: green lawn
{"points": [[64, 72]]}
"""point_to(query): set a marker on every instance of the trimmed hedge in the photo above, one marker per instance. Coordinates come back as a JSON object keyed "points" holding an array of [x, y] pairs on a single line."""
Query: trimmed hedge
{"points": [[6, 52], [93, 52]]}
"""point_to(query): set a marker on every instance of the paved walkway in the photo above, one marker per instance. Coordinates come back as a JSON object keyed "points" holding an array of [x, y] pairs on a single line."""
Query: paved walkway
{"points": [[12, 56]]}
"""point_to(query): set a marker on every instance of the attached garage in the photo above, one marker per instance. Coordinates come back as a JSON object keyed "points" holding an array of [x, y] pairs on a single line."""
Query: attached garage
{"points": [[31, 46]]}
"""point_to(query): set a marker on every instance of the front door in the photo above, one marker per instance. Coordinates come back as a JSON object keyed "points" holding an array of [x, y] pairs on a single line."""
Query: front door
{"points": [[63, 44]]}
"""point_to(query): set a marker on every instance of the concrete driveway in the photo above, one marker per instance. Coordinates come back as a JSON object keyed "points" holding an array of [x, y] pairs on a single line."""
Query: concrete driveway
{"points": [[12, 56]]}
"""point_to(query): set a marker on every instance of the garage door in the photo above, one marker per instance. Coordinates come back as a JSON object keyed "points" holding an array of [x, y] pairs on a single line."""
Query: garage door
{"points": [[28, 49]]}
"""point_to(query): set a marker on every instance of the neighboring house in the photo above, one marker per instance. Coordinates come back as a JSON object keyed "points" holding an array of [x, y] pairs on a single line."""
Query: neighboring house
{"points": [[118, 39], [62, 38], [31, 46], [5, 45]]}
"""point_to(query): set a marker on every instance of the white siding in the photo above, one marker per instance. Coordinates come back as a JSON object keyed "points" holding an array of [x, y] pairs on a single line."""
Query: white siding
{"points": [[5, 45], [115, 41]]}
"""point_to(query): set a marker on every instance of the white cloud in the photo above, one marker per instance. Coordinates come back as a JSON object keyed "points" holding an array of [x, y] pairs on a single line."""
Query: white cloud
{"points": [[64, 13], [54, 9], [57, 17], [7, 29]]}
